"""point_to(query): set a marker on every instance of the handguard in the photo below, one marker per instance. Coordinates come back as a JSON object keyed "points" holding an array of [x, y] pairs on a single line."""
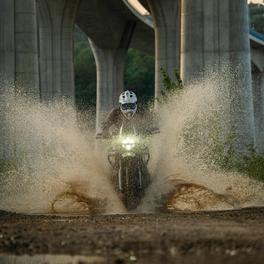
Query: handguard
{"points": [[102, 136]]}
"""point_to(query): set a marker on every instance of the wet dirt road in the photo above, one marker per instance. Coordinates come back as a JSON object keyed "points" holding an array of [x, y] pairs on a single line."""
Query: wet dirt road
{"points": [[202, 237]]}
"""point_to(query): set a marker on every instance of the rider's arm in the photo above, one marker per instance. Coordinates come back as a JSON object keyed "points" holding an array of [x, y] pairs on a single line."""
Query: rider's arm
{"points": [[109, 121]]}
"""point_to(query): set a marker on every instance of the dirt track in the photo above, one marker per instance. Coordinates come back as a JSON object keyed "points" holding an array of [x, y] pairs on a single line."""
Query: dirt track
{"points": [[205, 237]]}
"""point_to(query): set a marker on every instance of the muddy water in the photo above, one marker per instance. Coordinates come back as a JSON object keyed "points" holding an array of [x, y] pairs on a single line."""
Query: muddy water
{"points": [[55, 168], [53, 155]]}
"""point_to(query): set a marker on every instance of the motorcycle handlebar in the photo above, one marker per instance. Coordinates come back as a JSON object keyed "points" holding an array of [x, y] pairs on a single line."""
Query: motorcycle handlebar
{"points": [[101, 136]]}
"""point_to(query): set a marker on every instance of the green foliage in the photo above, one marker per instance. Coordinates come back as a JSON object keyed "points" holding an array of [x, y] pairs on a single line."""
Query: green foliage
{"points": [[85, 73], [252, 165], [221, 152], [257, 17], [223, 155], [139, 74], [6, 165], [257, 22], [169, 86]]}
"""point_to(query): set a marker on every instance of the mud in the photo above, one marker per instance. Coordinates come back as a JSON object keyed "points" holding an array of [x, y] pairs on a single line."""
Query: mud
{"points": [[73, 200], [186, 196], [183, 196], [184, 237]]}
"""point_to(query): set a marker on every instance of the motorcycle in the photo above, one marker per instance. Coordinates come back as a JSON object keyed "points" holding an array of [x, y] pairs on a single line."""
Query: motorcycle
{"points": [[129, 157]]}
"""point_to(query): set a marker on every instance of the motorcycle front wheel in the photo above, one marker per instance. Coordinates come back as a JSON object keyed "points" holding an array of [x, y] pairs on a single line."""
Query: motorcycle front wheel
{"points": [[132, 189]]}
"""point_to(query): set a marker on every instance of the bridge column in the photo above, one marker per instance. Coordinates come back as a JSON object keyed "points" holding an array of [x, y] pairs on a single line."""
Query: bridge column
{"points": [[215, 35], [258, 92], [18, 44], [56, 25], [18, 60], [166, 15], [110, 79], [27, 72]]}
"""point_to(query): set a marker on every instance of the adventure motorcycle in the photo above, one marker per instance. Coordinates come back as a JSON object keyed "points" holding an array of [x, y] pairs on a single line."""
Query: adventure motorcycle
{"points": [[129, 157]]}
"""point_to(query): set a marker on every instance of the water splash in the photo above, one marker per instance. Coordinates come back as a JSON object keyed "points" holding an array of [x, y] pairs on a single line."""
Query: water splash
{"points": [[51, 155], [194, 139], [56, 169]]}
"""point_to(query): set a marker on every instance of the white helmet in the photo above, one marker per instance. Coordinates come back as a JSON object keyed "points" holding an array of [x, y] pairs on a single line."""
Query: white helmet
{"points": [[128, 104]]}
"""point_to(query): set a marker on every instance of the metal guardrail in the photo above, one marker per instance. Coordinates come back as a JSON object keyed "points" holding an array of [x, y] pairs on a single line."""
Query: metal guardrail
{"points": [[256, 35]]}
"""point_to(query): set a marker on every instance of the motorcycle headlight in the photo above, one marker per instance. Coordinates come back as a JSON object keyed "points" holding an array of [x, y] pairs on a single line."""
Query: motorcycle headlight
{"points": [[128, 143]]}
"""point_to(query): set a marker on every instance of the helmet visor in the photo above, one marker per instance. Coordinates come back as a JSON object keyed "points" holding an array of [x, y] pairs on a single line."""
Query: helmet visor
{"points": [[128, 106]]}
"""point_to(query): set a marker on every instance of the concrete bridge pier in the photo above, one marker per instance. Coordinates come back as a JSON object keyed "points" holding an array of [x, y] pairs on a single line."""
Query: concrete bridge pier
{"points": [[166, 15], [110, 79], [257, 57], [18, 60], [110, 27], [258, 92], [215, 37], [18, 45], [56, 25]]}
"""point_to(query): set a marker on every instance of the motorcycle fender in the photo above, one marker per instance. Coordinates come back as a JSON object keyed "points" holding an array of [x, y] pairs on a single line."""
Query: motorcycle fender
{"points": [[128, 154]]}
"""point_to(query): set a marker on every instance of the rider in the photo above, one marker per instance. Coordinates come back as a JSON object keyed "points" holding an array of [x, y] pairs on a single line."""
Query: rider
{"points": [[126, 111]]}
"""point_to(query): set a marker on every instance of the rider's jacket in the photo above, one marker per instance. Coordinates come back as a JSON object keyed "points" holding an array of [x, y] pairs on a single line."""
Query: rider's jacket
{"points": [[114, 118], [144, 122]]}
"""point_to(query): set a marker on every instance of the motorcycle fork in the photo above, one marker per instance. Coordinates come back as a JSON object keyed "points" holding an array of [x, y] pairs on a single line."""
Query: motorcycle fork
{"points": [[140, 176], [120, 176]]}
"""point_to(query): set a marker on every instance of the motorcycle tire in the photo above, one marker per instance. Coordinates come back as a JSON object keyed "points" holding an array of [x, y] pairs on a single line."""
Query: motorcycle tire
{"points": [[131, 193]]}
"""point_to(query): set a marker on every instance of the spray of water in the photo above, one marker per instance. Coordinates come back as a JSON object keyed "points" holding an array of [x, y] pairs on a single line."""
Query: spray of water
{"points": [[54, 161], [195, 137], [56, 168]]}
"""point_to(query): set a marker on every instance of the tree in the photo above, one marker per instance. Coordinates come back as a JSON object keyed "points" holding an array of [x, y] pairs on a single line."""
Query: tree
{"points": [[139, 74], [85, 72], [257, 17]]}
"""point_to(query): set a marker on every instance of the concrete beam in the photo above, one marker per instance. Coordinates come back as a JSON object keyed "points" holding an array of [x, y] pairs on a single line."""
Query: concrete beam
{"points": [[166, 16], [104, 24], [215, 34], [56, 25]]}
